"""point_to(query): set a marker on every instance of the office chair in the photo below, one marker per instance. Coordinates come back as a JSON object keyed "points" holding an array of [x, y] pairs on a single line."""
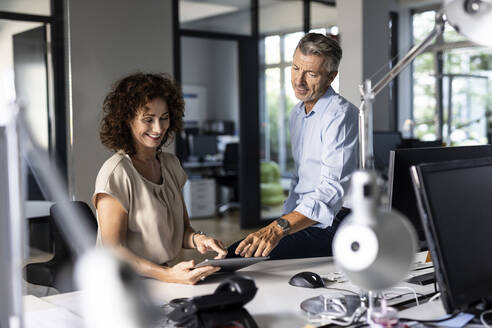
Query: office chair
{"points": [[271, 190], [230, 176], [58, 272]]}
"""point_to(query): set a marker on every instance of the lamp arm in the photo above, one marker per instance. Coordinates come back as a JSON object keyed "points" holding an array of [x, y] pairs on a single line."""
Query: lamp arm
{"points": [[366, 153], [410, 56], [72, 225]]}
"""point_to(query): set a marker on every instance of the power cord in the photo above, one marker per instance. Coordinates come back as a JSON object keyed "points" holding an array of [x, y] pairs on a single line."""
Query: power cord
{"points": [[482, 318], [432, 321], [411, 290], [435, 285], [342, 290], [390, 298], [434, 297], [328, 320]]}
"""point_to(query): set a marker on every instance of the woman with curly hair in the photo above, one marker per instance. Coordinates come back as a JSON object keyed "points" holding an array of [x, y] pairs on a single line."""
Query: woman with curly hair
{"points": [[138, 193]]}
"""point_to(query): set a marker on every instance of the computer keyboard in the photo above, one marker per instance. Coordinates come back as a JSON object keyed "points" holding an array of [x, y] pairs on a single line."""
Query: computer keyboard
{"points": [[422, 279], [421, 265]]}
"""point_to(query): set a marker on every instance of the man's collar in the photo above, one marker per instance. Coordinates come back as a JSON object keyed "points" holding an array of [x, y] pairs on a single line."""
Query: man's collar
{"points": [[320, 103]]}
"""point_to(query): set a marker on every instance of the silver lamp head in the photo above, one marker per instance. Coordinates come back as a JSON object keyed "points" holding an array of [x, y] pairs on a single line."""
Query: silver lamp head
{"points": [[471, 18], [374, 248]]}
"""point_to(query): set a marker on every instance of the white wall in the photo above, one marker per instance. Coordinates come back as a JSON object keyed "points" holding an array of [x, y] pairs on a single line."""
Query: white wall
{"points": [[214, 65], [196, 70], [376, 53], [350, 24], [364, 35], [109, 39], [225, 75], [405, 78]]}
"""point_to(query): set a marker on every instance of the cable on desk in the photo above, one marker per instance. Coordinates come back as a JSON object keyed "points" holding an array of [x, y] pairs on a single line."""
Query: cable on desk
{"points": [[482, 318], [432, 321], [360, 324], [401, 295], [435, 286], [412, 292], [434, 297], [354, 318], [343, 290]]}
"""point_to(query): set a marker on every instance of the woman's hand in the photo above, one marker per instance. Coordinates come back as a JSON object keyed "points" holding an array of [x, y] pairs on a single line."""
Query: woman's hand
{"points": [[206, 243], [183, 273]]}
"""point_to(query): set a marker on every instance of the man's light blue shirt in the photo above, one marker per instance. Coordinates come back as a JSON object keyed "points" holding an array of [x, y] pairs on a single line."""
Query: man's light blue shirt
{"points": [[325, 150]]}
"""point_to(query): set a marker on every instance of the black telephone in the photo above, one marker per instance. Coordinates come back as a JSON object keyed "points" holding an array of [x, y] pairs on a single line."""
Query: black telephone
{"points": [[223, 308]]}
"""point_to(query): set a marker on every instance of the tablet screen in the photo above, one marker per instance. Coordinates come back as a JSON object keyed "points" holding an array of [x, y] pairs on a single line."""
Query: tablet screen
{"points": [[231, 265]]}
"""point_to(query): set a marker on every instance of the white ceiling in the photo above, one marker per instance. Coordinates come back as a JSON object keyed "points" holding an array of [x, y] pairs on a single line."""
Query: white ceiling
{"points": [[274, 15], [191, 10], [35, 7], [194, 10]]}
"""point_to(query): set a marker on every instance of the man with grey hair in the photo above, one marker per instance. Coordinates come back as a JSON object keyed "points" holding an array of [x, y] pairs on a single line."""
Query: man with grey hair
{"points": [[324, 138]]}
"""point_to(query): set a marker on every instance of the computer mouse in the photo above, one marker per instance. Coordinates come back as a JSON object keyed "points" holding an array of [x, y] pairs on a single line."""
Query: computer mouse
{"points": [[307, 279]]}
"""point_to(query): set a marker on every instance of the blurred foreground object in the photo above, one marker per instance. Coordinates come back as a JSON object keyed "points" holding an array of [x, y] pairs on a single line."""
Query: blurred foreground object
{"points": [[114, 295]]}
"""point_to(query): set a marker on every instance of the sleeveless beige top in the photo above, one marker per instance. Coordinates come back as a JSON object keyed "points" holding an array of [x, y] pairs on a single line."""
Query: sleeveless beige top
{"points": [[155, 211]]}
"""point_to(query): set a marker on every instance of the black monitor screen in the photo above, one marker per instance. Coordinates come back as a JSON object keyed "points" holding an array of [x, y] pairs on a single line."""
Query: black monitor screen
{"points": [[402, 195], [459, 210], [383, 143], [202, 145]]}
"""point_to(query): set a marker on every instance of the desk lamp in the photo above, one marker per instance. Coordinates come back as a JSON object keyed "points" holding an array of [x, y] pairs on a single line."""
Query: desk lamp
{"points": [[113, 295], [375, 248]]}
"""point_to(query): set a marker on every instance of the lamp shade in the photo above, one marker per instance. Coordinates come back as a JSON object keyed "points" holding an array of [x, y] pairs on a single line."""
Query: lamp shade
{"points": [[471, 18]]}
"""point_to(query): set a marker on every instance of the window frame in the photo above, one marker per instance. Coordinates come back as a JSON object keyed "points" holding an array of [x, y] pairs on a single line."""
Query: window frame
{"points": [[282, 65], [438, 48], [57, 116]]}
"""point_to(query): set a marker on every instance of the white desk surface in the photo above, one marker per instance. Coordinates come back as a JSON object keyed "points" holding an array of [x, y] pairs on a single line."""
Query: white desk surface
{"points": [[430, 311], [276, 303]]}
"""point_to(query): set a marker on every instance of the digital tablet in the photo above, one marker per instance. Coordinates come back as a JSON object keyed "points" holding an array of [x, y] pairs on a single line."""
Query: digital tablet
{"points": [[233, 264]]}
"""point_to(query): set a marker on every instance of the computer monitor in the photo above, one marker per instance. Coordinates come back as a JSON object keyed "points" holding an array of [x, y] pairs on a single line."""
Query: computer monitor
{"points": [[417, 143], [401, 194], [454, 200], [202, 145], [383, 143]]}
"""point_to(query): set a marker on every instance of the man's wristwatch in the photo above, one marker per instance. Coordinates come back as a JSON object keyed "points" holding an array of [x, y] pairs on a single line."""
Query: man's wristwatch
{"points": [[284, 225], [197, 233]]}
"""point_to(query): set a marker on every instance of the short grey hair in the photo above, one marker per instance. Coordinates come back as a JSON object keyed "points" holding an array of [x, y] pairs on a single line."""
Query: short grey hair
{"points": [[321, 45]]}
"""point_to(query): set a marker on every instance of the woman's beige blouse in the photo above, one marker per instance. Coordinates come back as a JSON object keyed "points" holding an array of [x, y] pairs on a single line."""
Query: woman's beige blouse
{"points": [[155, 211]]}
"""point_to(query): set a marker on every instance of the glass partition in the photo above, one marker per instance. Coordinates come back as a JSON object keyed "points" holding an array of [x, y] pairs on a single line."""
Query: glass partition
{"points": [[281, 28], [464, 70], [467, 99], [24, 72]]}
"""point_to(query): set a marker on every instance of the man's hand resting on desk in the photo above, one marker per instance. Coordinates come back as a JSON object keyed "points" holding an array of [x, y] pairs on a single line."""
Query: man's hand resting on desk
{"points": [[184, 273], [261, 242]]}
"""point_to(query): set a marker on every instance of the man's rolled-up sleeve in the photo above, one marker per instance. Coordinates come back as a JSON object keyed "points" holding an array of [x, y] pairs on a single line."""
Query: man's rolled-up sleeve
{"points": [[338, 160], [291, 200]]}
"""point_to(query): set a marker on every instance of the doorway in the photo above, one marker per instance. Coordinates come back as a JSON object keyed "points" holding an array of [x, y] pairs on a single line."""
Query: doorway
{"points": [[210, 142], [231, 32]]}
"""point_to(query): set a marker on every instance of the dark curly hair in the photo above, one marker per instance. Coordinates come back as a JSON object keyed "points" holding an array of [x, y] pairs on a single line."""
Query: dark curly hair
{"points": [[125, 99]]}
